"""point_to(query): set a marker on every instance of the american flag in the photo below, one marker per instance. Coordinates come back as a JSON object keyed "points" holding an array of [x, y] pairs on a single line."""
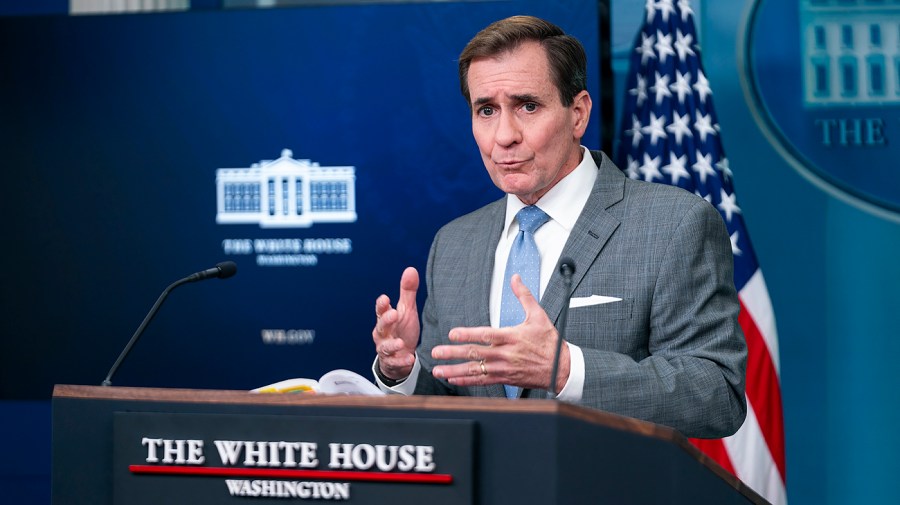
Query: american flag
{"points": [[670, 134]]}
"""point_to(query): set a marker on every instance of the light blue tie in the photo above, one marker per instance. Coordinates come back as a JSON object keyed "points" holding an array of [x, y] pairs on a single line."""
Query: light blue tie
{"points": [[525, 260]]}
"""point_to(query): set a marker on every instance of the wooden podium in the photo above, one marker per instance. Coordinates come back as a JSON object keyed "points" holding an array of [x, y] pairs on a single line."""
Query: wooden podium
{"points": [[144, 445]]}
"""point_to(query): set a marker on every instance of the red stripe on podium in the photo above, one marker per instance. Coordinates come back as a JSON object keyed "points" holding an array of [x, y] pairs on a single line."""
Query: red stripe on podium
{"points": [[416, 478]]}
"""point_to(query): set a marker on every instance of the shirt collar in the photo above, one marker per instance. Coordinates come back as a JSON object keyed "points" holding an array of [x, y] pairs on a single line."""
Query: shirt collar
{"points": [[565, 201]]}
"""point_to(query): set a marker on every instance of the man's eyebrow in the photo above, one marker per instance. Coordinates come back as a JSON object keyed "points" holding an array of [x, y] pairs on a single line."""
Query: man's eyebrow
{"points": [[527, 97]]}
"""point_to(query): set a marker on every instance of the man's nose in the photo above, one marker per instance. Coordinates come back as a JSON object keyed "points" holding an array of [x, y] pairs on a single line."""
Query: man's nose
{"points": [[509, 130]]}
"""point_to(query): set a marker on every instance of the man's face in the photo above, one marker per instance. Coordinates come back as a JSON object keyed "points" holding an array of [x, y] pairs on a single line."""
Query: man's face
{"points": [[528, 140]]}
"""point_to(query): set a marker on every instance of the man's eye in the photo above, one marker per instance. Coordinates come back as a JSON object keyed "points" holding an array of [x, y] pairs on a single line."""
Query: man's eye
{"points": [[486, 111], [530, 107]]}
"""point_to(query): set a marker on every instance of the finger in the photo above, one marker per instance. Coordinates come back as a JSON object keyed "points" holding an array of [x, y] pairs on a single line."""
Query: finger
{"points": [[409, 285], [390, 346], [484, 335], [384, 327], [470, 370], [382, 305], [467, 352], [394, 356], [524, 295]]}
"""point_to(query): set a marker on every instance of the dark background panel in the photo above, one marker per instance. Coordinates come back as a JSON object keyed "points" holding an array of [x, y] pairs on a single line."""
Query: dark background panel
{"points": [[113, 129]]}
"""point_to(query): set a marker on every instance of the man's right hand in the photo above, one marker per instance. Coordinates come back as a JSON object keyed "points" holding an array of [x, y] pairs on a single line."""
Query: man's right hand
{"points": [[396, 332]]}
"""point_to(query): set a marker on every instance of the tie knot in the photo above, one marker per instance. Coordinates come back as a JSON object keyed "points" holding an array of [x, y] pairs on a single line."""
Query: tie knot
{"points": [[531, 218]]}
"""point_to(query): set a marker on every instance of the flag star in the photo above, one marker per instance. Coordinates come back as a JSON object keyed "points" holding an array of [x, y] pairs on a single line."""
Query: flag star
{"points": [[682, 86], [664, 45], [665, 7], [703, 126], [633, 169], [661, 87], [655, 128], [635, 131], [685, 6], [703, 167], [683, 44], [676, 168], [734, 244], [702, 86], [679, 127], [701, 195], [646, 48], [640, 90], [650, 9], [728, 205], [725, 168], [650, 168]]}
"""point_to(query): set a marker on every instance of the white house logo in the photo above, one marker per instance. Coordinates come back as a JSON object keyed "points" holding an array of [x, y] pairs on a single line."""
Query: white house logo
{"points": [[827, 95], [286, 193]]}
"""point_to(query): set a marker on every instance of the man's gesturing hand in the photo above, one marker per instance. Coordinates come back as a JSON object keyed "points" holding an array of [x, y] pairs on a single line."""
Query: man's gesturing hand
{"points": [[396, 331], [519, 355]]}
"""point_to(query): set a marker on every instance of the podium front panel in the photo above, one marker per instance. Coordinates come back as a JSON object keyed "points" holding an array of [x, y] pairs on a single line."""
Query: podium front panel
{"points": [[140, 445]]}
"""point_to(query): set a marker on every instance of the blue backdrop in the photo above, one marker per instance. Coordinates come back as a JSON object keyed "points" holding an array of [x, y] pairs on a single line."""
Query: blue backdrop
{"points": [[114, 128]]}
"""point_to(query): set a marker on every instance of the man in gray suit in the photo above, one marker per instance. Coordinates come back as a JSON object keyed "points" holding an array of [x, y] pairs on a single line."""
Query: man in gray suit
{"points": [[652, 329]]}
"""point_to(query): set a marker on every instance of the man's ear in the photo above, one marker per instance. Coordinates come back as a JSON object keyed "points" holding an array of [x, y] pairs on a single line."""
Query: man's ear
{"points": [[581, 109]]}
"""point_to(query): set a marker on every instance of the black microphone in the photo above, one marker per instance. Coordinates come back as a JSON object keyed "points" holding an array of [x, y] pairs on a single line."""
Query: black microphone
{"points": [[222, 270], [566, 269]]}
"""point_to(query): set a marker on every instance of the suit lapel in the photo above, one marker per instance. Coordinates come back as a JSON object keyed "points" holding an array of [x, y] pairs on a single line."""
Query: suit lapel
{"points": [[591, 232], [479, 272], [480, 266]]}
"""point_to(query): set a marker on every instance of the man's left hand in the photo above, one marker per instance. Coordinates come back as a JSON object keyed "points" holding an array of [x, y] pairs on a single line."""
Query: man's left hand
{"points": [[519, 355]]}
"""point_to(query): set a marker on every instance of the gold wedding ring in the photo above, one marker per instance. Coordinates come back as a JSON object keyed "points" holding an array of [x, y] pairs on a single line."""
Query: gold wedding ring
{"points": [[483, 369]]}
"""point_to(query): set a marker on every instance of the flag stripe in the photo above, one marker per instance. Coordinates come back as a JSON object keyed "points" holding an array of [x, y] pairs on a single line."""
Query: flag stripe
{"points": [[715, 449], [753, 461], [755, 296], [764, 393]]}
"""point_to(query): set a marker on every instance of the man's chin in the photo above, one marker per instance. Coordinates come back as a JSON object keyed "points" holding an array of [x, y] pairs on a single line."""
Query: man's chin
{"points": [[516, 188], [528, 196]]}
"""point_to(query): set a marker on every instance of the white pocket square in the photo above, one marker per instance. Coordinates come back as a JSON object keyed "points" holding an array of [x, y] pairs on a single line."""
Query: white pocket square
{"points": [[584, 301]]}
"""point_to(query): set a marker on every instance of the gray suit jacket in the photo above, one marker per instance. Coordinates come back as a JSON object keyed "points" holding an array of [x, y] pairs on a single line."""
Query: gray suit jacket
{"points": [[670, 352]]}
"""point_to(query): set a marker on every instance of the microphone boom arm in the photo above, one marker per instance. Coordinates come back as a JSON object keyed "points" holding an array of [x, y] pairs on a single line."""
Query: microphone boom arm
{"points": [[137, 334], [222, 270], [567, 269]]}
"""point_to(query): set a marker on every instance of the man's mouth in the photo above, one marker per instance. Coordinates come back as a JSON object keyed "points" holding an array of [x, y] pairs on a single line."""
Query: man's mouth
{"points": [[510, 164]]}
